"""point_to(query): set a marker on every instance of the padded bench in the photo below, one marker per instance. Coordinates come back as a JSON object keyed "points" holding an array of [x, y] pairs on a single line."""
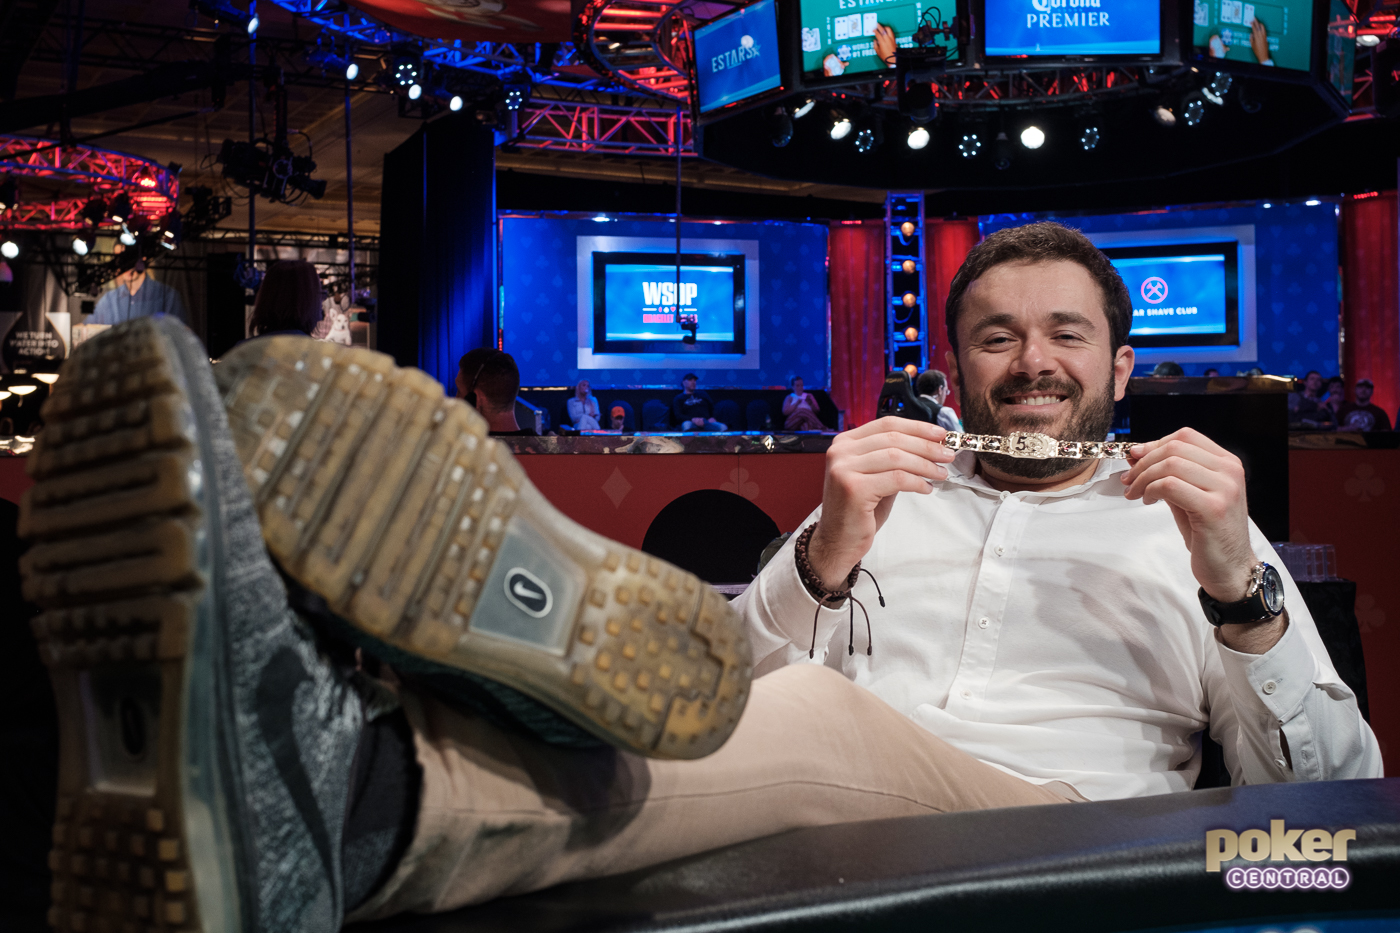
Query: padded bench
{"points": [[1111, 866]]}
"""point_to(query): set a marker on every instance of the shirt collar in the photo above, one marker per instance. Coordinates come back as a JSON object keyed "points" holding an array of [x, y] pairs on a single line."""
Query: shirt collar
{"points": [[962, 472]]}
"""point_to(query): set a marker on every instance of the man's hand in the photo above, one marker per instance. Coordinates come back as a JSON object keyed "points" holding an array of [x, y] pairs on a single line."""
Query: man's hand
{"points": [[865, 469], [1204, 486], [1259, 41], [885, 44]]}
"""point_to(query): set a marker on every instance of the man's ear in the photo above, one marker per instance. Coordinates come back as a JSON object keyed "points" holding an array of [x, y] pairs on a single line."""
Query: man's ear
{"points": [[1122, 369], [952, 360]]}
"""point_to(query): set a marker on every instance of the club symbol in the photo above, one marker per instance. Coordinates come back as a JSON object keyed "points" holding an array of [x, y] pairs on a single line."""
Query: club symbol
{"points": [[1154, 290]]}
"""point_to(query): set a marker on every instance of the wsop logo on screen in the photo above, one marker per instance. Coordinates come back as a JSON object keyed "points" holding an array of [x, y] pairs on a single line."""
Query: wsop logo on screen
{"points": [[1279, 858], [747, 50]]}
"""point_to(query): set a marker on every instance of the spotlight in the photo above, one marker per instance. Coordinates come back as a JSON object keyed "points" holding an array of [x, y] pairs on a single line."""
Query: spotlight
{"points": [[46, 378], [455, 103], [1032, 137], [918, 138], [909, 300], [9, 194], [970, 145], [415, 91], [804, 108], [782, 128], [912, 370], [127, 237], [1267, 204], [1163, 115], [907, 229], [95, 211], [911, 334], [1217, 87], [1193, 110], [1312, 202], [865, 140], [1089, 138], [908, 266], [253, 26], [24, 390], [352, 71], [9, 249], [1368, 40], [916, 101], [405, 71], [517, 95], [83, 243], [119, 209], [171, 228], [1001, 152], [840, 125]]}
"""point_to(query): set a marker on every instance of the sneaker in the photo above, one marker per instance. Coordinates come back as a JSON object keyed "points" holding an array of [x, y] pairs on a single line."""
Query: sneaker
{"points": [[205, 745], [390, 502]]}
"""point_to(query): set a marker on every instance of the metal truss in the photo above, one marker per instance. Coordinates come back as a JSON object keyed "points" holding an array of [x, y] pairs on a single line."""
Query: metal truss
{"points": [[578, 127], [1055, 86], [154, 190], [644, 44]]}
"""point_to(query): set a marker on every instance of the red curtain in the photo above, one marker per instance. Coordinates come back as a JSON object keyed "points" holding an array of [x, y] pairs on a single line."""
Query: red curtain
{"points": [[946, 244], [856, 273], [1371, 297]]}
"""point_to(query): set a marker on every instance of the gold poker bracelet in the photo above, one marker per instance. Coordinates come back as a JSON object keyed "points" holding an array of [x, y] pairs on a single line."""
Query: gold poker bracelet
{"points": [[1028, 446]]}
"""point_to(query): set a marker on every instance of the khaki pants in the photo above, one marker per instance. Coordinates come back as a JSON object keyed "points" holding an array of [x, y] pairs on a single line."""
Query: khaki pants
{"points": [[503, 815]]}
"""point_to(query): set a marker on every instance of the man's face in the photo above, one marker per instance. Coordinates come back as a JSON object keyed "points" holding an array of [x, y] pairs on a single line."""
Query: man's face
{"points": [[797, 386], [1313, 383], [1036, 357], [1363, 393], [689, 384]]}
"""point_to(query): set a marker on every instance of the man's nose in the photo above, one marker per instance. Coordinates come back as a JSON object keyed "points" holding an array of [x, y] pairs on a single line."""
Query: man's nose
{"points": [[1034, 359]]}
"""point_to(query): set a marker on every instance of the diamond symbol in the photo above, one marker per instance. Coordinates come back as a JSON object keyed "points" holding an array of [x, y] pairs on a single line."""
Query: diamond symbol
{"points": [[617, 487]]}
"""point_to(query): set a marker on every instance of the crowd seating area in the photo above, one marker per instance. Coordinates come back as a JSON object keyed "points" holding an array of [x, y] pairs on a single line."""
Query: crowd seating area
{"points": [[649, 409]]}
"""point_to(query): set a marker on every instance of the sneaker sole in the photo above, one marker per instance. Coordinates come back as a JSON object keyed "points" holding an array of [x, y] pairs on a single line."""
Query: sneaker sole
{"points": [[120, 567], [390, 502]]}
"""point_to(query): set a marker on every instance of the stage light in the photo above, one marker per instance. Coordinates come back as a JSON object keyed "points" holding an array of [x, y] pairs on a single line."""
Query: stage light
{"points": [[870, 135], [865, 140], [1001, 152], [911, 334], [912, 370], [1163, 115], [9, 194], [405, 71], [95, 211], [517, 95], [82, 243], [4, 395], [253, 26], [120, 208], [1032, 137], [804, 108], [782, 128], [415, 91], [171, 228], [909, 300], [127, 237], [916, 101], [46, 378], [1312, 202], [1193, 110], [1089, 138], [1216, 88], [1368, 40], [907, 229], [24, 390], [909, 266], [9, 248], [918, 138], [840, 125], [970, 145], [601, 219], [1267, 204], [352, 71], [455, 103]]}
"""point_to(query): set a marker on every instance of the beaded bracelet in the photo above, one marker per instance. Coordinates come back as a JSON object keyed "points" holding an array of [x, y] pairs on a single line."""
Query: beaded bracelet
{"points": [[832, 598]]}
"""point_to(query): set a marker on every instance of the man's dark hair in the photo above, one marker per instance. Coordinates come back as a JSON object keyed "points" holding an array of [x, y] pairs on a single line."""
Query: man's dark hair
{"points": [[1044, 242], [1312, 372], [492, 375], [690, 376], [930, 382], [792, 381]]}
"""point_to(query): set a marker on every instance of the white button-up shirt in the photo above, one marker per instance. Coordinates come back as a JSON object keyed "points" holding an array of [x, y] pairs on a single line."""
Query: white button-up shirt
{"points": [[1058, 636]]}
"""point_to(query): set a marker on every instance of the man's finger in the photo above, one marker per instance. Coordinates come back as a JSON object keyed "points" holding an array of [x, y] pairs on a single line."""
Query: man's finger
{"points": [[890, 459], [929, 450], [922, 429], [1198, 476], [1168, 448]]}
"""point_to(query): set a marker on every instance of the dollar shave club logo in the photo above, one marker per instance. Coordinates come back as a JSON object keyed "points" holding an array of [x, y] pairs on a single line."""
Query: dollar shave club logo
{"points": [[1279, 844], [747, 50], [528, 592]]}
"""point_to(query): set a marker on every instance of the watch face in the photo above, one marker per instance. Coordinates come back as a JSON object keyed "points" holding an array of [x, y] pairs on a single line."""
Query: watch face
{"points": [[1271, 588]]}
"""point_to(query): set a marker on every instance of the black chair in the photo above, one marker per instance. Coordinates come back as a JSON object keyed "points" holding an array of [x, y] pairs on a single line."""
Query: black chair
{"points": [[727, 414], [656, 415], [759, 415], [629, 417]]}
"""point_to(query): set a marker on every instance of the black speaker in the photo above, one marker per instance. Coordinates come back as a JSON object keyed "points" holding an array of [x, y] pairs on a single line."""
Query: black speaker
{"points": [[225, 308], [1252, 426]]}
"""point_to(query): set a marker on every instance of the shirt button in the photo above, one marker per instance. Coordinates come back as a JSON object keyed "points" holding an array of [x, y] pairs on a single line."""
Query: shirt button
{"points": [[982, 623], [1270, 686], [1281, 763], [967, 694], [1000, 550], [1005, 495]]}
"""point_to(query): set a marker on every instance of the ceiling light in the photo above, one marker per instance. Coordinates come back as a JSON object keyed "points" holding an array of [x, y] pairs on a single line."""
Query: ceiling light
{"points": [[415, 91], [1089, 138], [4, 395], [9, 249], [1368, 40], [47, 378], [1312, 202], [804, 108], [405, 71], [970, 145], [352, 71], [253, 26], [865, 140], [1267, 204], [1032, 137], [1163, 115], [840, 125], [23, 390], [455, 103], [1193, 110], [918, 138], [601, 219], [517, 95], [81, 246], [127, 237]]}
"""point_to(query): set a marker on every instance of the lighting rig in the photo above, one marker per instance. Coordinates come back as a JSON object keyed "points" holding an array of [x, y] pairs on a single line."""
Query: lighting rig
{"points": [[269, 167]]}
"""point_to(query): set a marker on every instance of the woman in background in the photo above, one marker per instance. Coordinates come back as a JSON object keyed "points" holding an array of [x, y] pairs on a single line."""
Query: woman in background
{"points": [[289, 300], [583, 408]]}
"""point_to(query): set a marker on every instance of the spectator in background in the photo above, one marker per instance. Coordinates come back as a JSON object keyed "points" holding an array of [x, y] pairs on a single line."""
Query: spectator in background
{"points": [[693, 409], [800, 409], [1305, 409], [618, 418], [1211, 373], [1361, 415], [1169, 369], [1336, 397], [489, 381], [583, 408], [932, 385], [135, 294], [289, 300]]}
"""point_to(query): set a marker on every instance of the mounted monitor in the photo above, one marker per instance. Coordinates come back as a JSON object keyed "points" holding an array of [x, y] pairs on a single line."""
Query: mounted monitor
{"points": [[1031, 29], [1183, 294], [737, 57], [845, 38], [1279, 34], [635, 307]]}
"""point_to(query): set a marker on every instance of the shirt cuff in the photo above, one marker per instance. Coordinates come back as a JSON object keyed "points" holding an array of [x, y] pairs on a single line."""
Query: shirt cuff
{"points": [[794, 606], [1279, 679]]}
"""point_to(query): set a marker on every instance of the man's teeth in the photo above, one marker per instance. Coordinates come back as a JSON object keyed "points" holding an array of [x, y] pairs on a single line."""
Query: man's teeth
{"points": [[1036, 400]]}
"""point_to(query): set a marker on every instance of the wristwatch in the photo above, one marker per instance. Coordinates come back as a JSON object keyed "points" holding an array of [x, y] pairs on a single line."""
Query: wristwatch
{"points": [[1263, 602]]}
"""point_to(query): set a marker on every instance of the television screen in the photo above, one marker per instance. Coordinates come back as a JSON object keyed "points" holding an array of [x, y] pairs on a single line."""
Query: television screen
{"points": [[845, 37], [1279, 32], [635, 307], [736, 56], [1184, 295], [1341, 49], [1031, 28]]}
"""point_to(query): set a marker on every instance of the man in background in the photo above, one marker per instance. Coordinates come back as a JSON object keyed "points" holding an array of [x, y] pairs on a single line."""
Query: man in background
{"points": [[693, 409], [489, 381], [1362, 415], [1305, 409], [932, 384], [135, 294]]}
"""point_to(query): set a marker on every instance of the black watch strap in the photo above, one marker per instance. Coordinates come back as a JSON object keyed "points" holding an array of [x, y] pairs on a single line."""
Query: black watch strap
{"points": [[1253, 608]]}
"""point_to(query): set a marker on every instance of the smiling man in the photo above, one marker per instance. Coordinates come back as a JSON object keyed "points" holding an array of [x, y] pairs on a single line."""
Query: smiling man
{"points": [[1075, 621]]}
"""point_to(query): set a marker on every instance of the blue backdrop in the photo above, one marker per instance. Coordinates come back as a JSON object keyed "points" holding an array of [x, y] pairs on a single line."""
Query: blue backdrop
{"points": [[539, 301], [1296, 280]]}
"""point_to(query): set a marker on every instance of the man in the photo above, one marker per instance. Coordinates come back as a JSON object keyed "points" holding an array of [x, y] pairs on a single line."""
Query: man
{"points": [[135, 294], [692, 409], [932, 384], [1306, 410], [355, 807], [1361, 415], [489, 381]]}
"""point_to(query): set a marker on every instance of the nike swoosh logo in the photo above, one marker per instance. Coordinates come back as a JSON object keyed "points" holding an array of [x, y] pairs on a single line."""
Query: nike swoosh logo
{"points": [[276, 692], [525, 592]]}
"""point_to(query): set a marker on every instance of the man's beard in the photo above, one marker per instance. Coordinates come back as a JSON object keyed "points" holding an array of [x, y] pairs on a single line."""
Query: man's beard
{"points": [[1089, 420]]}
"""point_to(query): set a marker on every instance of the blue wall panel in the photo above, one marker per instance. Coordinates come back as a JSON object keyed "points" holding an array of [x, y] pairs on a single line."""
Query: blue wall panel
{"points": [[1295, 269], [540, 301]]}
